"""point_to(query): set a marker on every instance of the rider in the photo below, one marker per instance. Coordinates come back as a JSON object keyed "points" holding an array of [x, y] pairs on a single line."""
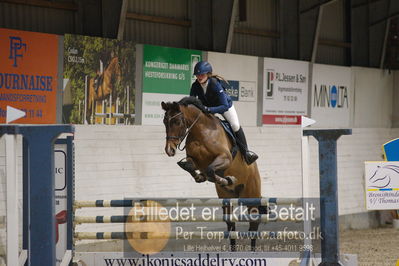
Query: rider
{"points": [[208, 89]]}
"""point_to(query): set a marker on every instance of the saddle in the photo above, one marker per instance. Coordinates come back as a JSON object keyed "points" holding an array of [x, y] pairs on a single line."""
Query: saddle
{"points": [[229, 131]]}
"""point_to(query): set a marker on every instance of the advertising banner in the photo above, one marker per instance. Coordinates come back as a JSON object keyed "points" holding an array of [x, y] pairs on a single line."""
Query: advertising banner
{"points": [[99, 80], [331, 96], [167, 76], [285, 91], [382, 185], [28, 75], [244, 91], [241, 72]]}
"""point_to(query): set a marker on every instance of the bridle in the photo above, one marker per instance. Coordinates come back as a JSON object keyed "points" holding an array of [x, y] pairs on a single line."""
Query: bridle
{"points": [[182, 137]]}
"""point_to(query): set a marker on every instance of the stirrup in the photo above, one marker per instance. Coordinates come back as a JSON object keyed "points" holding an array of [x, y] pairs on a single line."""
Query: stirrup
{"points": [[250, 157]]}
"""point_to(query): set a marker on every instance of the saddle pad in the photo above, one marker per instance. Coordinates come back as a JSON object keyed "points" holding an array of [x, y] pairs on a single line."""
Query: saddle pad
{"points": [[227, 128]]}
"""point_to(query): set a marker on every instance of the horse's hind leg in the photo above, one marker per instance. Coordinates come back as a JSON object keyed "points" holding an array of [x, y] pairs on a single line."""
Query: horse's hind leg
{"points": [[216, 168]]}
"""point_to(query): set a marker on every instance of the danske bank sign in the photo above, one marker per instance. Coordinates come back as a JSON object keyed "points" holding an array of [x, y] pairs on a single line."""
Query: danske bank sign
{"points": [[330, 96]]}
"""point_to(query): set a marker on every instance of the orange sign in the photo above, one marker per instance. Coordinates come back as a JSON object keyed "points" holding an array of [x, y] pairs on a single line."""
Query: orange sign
{"points": [[28, 75]]}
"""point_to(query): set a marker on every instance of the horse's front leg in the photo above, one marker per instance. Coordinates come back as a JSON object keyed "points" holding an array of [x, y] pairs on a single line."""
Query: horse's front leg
{"points": [[214, 172], [189, 166]]}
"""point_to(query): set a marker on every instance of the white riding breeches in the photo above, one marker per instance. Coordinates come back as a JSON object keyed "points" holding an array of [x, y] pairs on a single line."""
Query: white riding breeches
{"points": [[232, 117]]}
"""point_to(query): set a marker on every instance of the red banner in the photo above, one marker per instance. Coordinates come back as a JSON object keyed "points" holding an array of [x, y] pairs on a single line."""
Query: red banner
{"points": [[281, 119]]}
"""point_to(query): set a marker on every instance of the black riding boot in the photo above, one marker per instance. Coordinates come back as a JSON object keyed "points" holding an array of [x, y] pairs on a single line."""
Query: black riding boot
{"points": [[249, 156]]}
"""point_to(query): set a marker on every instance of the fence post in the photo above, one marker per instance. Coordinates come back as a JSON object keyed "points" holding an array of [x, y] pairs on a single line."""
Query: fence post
{"points": [[39, 208], [329, 220]]}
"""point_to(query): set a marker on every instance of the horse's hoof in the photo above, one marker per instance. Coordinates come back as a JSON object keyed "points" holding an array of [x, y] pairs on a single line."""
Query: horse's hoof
{"points": [[200, 178], [231, 179]]}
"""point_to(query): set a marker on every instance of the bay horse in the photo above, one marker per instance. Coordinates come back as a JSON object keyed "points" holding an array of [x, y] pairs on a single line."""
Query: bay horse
{"points": [[103, 85], [209, 157]]}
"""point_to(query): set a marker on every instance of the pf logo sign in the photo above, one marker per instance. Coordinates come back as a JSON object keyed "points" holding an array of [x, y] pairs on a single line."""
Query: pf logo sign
{"points": [[17, 49]]}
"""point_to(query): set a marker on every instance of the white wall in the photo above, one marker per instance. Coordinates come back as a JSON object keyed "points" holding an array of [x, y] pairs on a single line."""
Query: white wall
{"points": [[240, 68], [131, 162], [395, 100], [373, 97]]}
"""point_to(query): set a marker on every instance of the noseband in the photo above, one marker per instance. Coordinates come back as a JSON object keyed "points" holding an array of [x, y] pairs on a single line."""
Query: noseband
{"points": [[182, 137]]}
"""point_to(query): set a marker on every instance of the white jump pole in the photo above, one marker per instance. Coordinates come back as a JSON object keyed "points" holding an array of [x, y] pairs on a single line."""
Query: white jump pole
{"points": [[12, 200], [127, 120], [110, 109], [85, 103], [12, 190]]}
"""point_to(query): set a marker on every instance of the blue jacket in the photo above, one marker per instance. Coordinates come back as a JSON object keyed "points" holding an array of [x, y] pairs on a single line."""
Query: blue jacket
{"points": [[216, 99]]}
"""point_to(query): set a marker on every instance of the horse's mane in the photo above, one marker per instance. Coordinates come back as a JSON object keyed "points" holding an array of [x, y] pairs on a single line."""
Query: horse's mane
{"points": [[194, 101]]}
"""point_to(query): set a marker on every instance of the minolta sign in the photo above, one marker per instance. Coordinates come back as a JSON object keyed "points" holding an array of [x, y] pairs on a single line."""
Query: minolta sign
{"points": [[330, 96]]}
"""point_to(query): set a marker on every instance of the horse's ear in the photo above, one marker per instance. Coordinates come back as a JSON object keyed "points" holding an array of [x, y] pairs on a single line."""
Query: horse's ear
{"points": [[164, 106]]}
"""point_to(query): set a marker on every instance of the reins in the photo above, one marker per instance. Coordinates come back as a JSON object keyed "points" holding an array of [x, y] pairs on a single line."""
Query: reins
{"points": [[181, 138]]}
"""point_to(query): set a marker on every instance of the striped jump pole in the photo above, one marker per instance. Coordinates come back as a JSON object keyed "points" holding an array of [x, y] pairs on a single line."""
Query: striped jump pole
{"points": [[209, 235], [190, 202], [262, 218]]}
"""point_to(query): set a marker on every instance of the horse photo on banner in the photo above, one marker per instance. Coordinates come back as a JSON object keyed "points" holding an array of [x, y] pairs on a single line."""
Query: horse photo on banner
{"points": [[98, 80]]}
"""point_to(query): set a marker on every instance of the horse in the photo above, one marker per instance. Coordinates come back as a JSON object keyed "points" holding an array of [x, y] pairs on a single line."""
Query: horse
{"points": [[209, 157], [102, 86]]}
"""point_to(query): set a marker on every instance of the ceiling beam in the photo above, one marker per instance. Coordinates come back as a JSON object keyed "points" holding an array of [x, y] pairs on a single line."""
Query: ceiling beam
{"points": [[71, 6], [157, 19]]}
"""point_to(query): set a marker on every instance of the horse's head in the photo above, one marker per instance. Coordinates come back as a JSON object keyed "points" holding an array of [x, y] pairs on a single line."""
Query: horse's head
{"points": [[175, 126], [113, 71]]}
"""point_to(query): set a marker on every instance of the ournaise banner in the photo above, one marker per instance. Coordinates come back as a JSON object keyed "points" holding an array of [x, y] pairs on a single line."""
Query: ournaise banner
{"points": [[28, 75]]}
